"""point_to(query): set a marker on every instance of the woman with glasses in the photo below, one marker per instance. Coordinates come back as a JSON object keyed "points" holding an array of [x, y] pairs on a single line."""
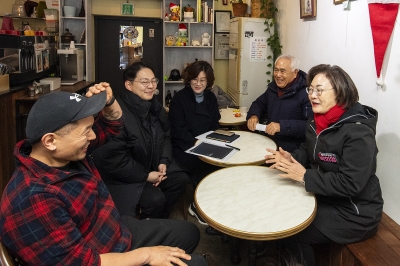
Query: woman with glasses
{"points": [[337, 163], [192, 112], [137, 165]]}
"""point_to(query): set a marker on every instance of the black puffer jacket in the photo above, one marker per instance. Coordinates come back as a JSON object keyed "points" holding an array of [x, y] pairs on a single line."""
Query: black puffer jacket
{"points": [[291, 111], [342, 161], [141, 146]]}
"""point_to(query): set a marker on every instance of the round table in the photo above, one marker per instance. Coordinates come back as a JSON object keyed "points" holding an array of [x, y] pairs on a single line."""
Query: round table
{"points": [[254, 203], [252, 150], [228, 118]]}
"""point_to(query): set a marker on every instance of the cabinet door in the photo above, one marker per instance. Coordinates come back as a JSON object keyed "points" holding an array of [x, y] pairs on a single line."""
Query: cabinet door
{"points": [[108, 48]]}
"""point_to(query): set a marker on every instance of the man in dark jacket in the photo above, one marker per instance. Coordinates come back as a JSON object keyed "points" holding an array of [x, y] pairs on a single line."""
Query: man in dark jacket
{"points": [[137, 165], [284, 107]]}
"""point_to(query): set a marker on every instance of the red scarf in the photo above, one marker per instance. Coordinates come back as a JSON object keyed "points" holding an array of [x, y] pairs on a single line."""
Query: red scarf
{"points": [[323, 121]]}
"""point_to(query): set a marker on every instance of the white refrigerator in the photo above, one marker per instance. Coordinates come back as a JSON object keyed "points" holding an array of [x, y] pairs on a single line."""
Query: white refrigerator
{"points": [[248, 60]]}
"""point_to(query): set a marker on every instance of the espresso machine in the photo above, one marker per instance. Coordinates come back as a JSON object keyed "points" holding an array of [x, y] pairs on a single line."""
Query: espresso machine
{"points": [[20, 53], [71, 65]]}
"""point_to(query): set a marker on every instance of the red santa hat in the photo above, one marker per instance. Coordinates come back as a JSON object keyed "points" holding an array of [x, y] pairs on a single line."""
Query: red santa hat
{"points": [[382, 15], [172, 5], [182, 27]]}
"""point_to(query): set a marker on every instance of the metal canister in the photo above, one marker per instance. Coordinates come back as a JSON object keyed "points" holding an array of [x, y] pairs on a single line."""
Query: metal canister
{"points": [[31, 91]]}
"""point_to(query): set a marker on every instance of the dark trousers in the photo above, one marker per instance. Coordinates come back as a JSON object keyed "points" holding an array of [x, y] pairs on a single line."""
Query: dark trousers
{"points": [[196, 167], [165, 232], [299, 245], [157, 202]]}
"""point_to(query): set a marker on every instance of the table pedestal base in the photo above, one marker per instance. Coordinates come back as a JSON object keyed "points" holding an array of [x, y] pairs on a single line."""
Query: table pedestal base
{"points": [[254, 249]]}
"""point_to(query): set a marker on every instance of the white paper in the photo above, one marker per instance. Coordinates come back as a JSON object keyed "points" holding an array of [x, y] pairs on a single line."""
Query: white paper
{"points": [[261, 127]]}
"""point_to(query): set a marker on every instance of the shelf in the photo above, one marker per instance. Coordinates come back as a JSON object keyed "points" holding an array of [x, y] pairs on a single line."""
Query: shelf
{"points": [[185, 22], [173, 82], [82, 29], [177, 57], [183, 47], [76, 44], [24, 18], [78, 18]]}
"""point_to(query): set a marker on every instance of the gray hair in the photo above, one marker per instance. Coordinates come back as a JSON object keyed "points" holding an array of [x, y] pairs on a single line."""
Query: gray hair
{"points": [[294, 62]]}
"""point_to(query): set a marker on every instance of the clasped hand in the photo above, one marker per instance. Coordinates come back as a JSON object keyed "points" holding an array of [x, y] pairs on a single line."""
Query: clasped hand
{"points": [[157, 177], [283, 161]]}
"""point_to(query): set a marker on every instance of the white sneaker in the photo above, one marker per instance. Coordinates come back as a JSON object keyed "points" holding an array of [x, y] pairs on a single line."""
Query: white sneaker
{"points": [[192, 210]]}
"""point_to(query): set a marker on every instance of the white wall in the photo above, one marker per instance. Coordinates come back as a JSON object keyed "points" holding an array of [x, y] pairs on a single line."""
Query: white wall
{"points": [[344, 38]]}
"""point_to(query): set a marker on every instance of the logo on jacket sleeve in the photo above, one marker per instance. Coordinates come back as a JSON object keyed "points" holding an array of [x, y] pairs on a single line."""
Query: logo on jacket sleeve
{"points": [[327, 157]]}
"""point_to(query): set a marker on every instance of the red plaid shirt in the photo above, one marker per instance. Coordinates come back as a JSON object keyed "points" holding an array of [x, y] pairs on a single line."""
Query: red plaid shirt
{"points": [[52, 217]]}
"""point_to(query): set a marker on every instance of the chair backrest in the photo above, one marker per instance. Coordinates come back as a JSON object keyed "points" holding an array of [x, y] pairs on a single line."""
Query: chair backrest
{"points": [[5, 258]]}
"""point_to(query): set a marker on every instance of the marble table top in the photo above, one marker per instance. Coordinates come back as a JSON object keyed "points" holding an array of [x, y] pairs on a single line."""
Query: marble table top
{"points": [[254, 203], [228, 118], [252, 150]]}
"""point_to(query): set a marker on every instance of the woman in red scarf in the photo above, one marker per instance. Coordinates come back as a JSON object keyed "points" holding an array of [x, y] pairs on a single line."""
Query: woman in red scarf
{"points": [[337, 163]]}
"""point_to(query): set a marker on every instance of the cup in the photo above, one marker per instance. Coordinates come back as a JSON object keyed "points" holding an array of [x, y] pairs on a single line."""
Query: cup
{"points": [[72, 45], [244, 109], [69, 11]]}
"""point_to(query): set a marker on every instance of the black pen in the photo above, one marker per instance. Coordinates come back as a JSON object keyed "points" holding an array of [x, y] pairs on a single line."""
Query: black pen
{"points": [[232, 147]]}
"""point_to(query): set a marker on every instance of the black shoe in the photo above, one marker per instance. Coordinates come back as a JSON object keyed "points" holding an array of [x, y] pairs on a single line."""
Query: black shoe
{"points": [[192, 210]]}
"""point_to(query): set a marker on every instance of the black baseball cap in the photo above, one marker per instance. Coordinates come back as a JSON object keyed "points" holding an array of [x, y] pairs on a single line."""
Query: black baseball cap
{"points": [[54, 110]]}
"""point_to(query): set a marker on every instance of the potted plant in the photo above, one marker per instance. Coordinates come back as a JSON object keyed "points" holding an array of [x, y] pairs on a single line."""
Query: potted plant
{"points": [[239, 8], [268, 7]]}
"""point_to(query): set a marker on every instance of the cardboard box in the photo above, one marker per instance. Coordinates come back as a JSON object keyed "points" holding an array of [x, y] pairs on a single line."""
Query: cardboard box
{"points": [[4, 82], [55, 83]]}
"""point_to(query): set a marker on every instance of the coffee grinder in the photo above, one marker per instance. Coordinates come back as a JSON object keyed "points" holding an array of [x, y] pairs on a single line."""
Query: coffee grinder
{"points": [[71, 65]]}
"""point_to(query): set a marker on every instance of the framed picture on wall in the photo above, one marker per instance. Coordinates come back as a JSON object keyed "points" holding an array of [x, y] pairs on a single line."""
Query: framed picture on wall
{"points": [[336, 2], [222, 20], [308, 8]]}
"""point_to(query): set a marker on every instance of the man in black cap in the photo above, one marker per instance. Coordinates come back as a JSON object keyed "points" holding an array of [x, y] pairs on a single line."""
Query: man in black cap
{"points": [[56, 210]]}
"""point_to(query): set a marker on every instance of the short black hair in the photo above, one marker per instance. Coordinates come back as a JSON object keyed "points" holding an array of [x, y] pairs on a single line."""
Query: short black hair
{"points": [[130, 72]]}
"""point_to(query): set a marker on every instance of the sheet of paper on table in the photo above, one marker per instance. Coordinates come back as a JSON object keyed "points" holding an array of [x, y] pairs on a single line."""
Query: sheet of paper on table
{"points": [[213, 151]]}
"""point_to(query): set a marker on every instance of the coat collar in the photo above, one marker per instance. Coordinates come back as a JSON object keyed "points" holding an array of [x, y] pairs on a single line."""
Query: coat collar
{"points": [[139, 106], [299, 84], [38, 169], [200, 108]]}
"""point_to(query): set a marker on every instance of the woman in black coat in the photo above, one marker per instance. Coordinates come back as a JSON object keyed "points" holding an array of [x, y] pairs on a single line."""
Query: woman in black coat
{"points": [[137, 165], [193, 111], [337, 163]]}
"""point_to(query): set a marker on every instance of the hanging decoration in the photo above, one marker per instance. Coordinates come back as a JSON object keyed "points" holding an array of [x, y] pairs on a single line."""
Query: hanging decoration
{"points": [[382, 14]]}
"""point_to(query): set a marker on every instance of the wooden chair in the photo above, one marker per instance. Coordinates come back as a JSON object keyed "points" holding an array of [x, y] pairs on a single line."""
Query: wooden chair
{"points": [[5, 258]]}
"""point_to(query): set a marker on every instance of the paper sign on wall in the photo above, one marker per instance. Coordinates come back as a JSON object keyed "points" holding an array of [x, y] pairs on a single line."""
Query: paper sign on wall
{"points": [[258, 49]]}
